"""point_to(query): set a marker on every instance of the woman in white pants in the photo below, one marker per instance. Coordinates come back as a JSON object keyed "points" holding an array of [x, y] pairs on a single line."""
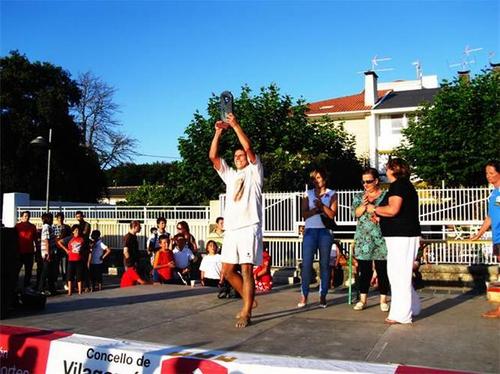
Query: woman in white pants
{"points": [[401, 229]]}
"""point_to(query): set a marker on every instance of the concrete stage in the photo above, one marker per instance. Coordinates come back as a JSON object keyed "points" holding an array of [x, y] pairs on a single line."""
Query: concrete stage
{"points": [[449, 333]]}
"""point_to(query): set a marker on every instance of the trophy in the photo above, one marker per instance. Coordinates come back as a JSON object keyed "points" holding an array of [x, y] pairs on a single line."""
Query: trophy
{"points": [[226, 107]]}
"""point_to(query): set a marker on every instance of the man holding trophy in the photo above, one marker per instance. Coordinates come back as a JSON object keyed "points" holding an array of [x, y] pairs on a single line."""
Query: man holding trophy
{"points": [[243, 212]]}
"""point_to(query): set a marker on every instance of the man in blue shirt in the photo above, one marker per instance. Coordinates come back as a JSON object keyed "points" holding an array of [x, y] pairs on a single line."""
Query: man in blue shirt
{"points": [[493, 218]]}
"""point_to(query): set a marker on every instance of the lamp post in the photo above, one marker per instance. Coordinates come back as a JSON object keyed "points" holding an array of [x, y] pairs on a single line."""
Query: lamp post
{"points": [[40, 141]]}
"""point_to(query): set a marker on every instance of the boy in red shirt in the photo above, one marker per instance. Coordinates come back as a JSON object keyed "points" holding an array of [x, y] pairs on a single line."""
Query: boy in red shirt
{"points": [[26, 238], [164, 262], [75, 259], [131, 277]]}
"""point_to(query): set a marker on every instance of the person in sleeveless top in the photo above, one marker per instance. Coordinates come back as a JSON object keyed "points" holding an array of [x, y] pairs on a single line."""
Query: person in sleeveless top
{"points": [[318, 201]]}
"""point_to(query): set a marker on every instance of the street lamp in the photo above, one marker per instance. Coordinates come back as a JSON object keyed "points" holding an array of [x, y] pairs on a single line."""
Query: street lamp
{"points": [[40, 141]]}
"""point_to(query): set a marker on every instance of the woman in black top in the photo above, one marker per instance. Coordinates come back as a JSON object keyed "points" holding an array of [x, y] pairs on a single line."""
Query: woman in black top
{"points": [[401, 230]]}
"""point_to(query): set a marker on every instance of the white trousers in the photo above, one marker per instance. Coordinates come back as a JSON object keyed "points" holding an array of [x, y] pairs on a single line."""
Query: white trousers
{"points": [[405, 302]]}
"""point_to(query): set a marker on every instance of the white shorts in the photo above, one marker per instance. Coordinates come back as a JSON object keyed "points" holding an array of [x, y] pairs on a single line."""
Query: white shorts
{"points": [[243, 246]]}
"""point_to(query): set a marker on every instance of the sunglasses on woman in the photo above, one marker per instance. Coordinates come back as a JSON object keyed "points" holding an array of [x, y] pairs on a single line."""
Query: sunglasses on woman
{"points": [[368, 182]]}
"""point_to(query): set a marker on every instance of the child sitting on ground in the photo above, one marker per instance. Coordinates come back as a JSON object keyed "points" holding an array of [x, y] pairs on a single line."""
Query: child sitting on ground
{"points": [[131, 277], [164, 263], [262, 273], [98, 252], [211, 266], [183, 257]]}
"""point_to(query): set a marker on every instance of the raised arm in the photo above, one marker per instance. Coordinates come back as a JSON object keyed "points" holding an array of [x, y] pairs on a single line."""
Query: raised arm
{"points": [[213, 154], [242, 137]]}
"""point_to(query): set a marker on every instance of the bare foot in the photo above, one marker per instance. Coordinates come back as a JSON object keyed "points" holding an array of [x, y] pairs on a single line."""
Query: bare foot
{"points": [[494, 313], [240, 313], [243, 322]]}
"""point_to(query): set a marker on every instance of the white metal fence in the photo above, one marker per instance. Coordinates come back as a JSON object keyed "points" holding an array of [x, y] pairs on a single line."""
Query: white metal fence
{"points": [[445, 213]]}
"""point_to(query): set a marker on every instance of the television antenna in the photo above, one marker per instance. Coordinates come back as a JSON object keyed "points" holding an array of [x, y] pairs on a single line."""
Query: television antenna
{"points": [[418, 68], [468, 58], [375, 60], [468, 50]]}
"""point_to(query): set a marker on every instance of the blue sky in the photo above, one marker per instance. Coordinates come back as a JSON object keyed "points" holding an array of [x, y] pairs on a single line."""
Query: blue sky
{"points": [[165, 58]]}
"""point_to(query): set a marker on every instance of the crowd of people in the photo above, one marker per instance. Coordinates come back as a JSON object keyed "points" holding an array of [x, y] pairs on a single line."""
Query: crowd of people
{"points": [[75, 256], [386, 241]]}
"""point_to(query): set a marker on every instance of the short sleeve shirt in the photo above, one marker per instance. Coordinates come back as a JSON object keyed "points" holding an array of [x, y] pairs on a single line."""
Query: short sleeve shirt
{"points": [[494, 214], [129, 278], [130, 241], [368, 239], [75, 247], [183, 257], [243, 194], [47, 236], [406, 222], [26, 236], [211, 265], [97, 251]]}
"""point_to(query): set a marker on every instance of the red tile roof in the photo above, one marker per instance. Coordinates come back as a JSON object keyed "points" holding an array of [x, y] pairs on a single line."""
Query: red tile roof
{"points": [[342, 104]]}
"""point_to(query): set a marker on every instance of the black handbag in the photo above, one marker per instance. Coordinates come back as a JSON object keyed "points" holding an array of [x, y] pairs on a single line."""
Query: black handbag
{"points": [[329, 223]]}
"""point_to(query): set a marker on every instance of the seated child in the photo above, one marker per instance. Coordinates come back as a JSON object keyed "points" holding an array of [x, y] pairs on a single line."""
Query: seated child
{"points": [[164, 263], [262, 273], [183, 257], [211, 266], [131, 277], [98, 252]]}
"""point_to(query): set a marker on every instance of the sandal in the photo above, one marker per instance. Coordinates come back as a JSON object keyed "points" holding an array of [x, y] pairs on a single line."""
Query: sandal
{"points": [[384, 307], [359, 306]]}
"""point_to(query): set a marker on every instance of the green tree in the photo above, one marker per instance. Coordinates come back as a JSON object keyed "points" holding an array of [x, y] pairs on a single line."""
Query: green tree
{"points": [[451, 139], [149, 194], [280, 133], [129, 174], [35, 97]]}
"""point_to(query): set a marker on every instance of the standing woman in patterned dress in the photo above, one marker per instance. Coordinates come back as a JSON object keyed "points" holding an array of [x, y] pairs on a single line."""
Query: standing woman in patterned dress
{"points": [[369, 243]]}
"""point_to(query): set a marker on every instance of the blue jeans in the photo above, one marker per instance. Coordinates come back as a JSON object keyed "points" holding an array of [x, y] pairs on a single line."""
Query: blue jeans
{"points": [[315, 239]]}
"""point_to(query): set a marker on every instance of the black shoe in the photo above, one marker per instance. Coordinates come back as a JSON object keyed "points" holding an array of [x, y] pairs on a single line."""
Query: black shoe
{"points": [[322, 302]]}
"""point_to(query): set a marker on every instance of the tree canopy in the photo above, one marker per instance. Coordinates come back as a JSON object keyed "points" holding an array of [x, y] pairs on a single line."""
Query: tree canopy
{"points": [[286, 141], [36, 96], [452, 139]]}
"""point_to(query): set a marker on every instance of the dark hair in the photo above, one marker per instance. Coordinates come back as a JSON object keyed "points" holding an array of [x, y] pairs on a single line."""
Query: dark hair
{"points": [[163, 237], [129, 263], [79, 212], [161, 219], [219, 219], [75, 227], [494, 164], [153, 229], [400, 167], [59, 214], [134, 223], [212, 241], [96, 234], [184, 224], [238, 148], [46, 217], [371, 171], [26, 212], [177, 236]]}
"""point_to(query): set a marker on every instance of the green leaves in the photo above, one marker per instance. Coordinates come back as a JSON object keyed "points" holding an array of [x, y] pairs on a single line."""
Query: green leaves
{"points": [[453, 138]]}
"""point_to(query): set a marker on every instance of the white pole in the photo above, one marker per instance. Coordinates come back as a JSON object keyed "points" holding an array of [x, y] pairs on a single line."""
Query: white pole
{"points": [[48, 172]]}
